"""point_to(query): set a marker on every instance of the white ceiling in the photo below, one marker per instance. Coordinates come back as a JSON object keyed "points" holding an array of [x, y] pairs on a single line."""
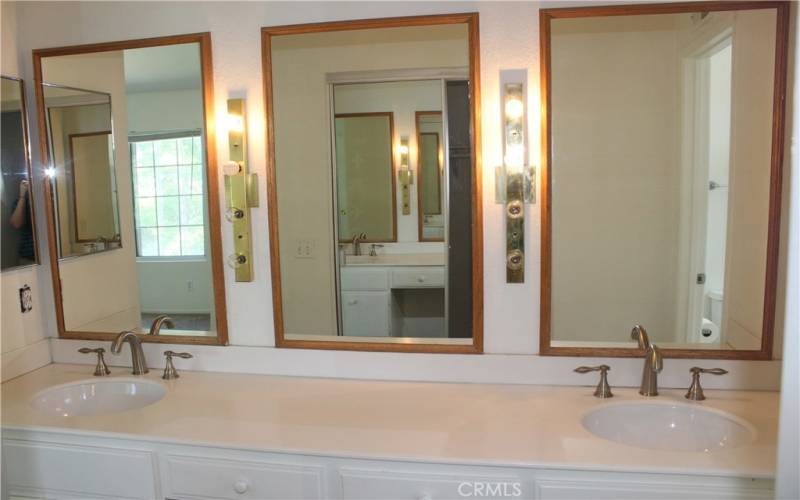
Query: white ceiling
{"points": [[171, 67]]}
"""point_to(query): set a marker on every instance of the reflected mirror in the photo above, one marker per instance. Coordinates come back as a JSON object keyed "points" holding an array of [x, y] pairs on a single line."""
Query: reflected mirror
{"points": [[133, 194], [18, 246], [82, 151], [430, 175], [664, 166], [374, 183]]}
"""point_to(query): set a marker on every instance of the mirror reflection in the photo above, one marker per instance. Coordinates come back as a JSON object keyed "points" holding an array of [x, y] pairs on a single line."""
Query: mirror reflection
{"points": [[395, 262], [129, 177], [661, 152], [18, 245], [430, 173], [82, 151]]}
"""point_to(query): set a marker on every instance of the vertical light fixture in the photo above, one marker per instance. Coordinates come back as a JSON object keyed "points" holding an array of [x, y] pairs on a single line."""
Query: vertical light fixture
{"points": [[241, 191], [514, 160], [404, 174]]}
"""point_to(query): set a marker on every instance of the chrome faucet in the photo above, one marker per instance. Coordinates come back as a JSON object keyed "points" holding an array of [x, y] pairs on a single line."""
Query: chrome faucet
{"points": [[138, 362], [357, 239], [653, 362], [161, 320]]}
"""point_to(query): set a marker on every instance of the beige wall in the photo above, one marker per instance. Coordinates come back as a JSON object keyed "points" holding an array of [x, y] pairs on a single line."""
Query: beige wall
{"points": [[302, 147], [751, 136], [615, 178], [102, 286]]}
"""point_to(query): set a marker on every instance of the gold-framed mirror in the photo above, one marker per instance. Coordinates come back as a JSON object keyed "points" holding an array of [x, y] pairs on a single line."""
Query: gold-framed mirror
{"points": [[19, 243], [662, 152], [126, 134], [344, 101]]}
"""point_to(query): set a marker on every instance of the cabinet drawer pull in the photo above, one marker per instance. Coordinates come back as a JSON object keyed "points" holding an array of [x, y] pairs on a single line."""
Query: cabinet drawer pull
{"points": [[241, 486], [421, 279], [352, 302]]}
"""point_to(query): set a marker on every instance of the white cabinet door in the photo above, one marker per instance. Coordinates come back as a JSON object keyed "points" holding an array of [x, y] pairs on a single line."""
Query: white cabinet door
{"points": [[49, 470], [365, 314]]}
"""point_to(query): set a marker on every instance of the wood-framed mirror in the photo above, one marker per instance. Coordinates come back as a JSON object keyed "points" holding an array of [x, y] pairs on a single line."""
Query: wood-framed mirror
{"points": [[127, 137], [430, 176], [662, 156], [345, 240], [19, 242]]}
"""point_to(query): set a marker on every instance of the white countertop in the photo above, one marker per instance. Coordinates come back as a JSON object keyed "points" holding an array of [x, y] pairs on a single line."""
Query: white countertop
{"points": [[478, 424]]}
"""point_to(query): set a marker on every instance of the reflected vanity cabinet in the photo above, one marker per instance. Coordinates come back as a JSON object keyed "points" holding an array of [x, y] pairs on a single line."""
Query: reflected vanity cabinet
{"points": [[89, 466]]}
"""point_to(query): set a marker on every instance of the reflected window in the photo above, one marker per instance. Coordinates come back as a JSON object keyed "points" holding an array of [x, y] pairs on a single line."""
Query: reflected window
{"points": [[168, 187]]}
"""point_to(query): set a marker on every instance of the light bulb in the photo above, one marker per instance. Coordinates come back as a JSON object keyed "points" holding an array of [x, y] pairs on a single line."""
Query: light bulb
{"points": [[235, 123], [403, 149], [514, 109], [50, 172]]}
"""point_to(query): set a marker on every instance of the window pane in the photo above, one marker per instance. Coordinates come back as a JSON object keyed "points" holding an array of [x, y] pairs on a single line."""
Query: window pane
{"points": [[185, 179], [193, 240], [168, 211], [146, 212], [148, 242], [191, 210], [169, 241], [166, 181], [166, 152], [198, 150], [185, 151], [197, 180], [143, 153], [145, 185]]}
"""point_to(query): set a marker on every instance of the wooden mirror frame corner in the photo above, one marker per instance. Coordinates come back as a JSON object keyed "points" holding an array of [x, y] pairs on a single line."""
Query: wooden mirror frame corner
{"points": [[212, 178], [471, 20], [775, 186]]}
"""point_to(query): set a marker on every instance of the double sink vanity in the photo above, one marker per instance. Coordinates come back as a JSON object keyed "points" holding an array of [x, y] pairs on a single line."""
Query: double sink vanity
{"points": [[218, 435], [660, 205]]}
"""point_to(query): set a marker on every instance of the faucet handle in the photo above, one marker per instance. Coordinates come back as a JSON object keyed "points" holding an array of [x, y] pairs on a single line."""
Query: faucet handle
{"points": [[695, 392], [603, 389], [169, 369], [101, 369]]}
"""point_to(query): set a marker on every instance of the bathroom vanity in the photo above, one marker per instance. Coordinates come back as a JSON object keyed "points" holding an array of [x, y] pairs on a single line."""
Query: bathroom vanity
{"points": [[391, 295], [216, 435]]}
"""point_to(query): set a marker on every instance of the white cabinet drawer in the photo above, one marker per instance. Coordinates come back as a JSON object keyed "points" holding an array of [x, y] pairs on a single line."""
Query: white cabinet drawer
{"points": [[567, 485], [71, 471], [418, 277], [400, 485], [364, 279], [365, 314], [204, 478]]}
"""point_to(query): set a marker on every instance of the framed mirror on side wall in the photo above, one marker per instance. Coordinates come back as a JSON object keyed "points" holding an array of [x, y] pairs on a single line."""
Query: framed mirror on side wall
{"points": [[662, 148], [374, 184], [132, 186], [18, 227]]}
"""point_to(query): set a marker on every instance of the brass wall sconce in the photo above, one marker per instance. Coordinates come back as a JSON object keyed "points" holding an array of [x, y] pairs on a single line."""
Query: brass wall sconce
{"points": [[241, 191], [515, 180], [404, 175]]}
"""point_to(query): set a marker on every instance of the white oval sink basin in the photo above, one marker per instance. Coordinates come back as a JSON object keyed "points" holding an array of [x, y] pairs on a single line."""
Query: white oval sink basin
{"points": [[97, 397], [668, 426]]}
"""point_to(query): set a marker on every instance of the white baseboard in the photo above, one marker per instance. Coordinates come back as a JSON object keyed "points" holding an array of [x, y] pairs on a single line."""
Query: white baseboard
{"points": [[25, 359], [486, 368]]}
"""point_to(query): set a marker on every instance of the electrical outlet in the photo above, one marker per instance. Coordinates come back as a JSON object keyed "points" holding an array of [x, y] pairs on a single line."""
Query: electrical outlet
{"points": [[304, 249], [25, 299]]}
